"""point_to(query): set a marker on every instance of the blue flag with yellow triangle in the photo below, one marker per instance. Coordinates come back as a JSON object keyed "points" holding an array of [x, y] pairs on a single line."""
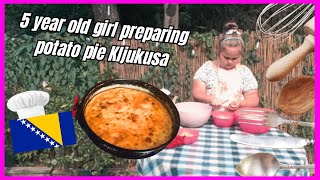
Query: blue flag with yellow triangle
{"points": [[41, 132]]}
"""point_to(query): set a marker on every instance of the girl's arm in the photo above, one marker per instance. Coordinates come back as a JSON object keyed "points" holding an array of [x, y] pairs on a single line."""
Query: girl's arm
{"points": [[199, 92], [251, 99]]}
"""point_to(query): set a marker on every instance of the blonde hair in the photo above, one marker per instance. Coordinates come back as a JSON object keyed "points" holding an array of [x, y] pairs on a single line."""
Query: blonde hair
{"points": [[231, 37]]}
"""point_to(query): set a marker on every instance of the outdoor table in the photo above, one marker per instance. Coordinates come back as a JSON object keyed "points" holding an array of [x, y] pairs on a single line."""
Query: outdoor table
{"points": [[214, 154]]}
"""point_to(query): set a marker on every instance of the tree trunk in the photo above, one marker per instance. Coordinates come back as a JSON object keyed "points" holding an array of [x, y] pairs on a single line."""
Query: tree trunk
{"points": [[171, 15], [102, 12], [171, 18]]}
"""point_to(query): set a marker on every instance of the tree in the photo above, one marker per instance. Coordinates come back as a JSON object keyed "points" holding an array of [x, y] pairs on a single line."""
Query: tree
{"points": [[105, 11], [171, 15], [102, 12]]}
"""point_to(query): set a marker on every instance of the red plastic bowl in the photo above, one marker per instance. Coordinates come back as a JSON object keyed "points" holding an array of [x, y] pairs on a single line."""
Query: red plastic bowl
{"points": [[252, 128], [190, 136], [223, 118], [247, 120], [254, 111]]}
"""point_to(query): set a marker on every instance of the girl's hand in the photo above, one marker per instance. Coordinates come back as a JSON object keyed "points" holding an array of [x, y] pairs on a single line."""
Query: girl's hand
{"points": [[234, 105], [217, 102]]}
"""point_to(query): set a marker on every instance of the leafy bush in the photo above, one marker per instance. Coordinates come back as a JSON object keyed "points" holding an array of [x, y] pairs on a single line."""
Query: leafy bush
{"points": [[66, 78]]}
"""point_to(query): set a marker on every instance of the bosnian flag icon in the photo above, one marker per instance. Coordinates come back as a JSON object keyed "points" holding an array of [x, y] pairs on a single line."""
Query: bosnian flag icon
{"points": [[41, 132]]}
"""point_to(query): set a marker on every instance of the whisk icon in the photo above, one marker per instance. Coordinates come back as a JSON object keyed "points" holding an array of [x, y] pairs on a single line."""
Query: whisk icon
{"points": [[277, 22]]}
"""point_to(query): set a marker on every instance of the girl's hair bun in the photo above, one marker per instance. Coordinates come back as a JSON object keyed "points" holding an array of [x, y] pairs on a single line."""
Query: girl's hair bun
{"points": [[230, 25]]}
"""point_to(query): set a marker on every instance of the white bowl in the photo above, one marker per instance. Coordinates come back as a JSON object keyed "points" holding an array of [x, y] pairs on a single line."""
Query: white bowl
{"points": [[193, 114]]}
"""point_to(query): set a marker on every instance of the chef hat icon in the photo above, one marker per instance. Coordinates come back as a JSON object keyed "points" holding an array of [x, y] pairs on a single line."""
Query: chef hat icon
{"points": [[28, 104]]}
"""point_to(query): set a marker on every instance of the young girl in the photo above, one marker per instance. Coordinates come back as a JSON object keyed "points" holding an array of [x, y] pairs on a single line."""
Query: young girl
{"points": [[224, 82]]}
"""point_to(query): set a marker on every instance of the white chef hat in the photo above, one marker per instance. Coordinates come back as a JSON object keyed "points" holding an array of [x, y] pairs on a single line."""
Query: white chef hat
{"points": [[29, 103]]}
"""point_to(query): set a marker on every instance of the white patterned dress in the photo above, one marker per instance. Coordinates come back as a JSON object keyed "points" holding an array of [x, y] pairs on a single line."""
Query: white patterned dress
{"points": [[227, 85]]}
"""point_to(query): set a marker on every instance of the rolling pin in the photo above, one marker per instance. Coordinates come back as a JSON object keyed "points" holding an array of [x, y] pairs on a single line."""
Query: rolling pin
{"points": [[308, 28], [280, 68]]}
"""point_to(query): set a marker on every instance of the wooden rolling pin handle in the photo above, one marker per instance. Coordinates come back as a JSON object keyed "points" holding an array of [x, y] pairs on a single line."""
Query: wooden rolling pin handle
{"points": [[280, 68]]}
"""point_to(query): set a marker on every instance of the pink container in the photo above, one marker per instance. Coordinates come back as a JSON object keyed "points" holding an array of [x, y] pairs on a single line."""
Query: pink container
{"points": [[223, 118], [254, 128], [190, 136], [252, 111], [251, 120]]}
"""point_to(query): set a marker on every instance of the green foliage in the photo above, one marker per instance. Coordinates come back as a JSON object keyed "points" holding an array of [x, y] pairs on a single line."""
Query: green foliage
{"points": [[66, 78], [189, 49], [167, 77], [285, 48], [205, 40], [308, 70], [188, 81], [250, 57], [170, 76]]}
